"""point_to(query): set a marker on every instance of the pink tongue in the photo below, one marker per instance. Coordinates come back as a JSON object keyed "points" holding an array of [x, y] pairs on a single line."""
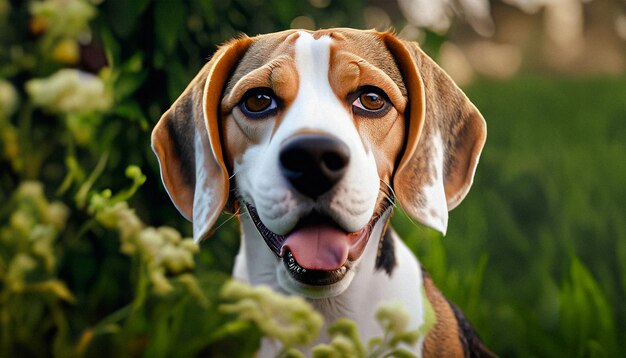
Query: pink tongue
{"points": [[319, 247]]}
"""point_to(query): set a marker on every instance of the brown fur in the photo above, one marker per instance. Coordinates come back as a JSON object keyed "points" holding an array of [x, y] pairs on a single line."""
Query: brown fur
{"points": [[443, 340], [449, 112], [173, 141], [452, 335]]}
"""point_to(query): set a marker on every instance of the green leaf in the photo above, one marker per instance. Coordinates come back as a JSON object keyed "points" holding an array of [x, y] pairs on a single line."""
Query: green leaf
{"points": [[401, 353], [129, 77], [169, 19], [132, 111], [586, 317], [231, 328], [123, 15], [323, 351]]}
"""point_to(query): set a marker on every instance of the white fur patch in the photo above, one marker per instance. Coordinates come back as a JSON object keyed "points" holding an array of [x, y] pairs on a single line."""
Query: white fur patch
{"points": [[435, 213], [204, 197]]}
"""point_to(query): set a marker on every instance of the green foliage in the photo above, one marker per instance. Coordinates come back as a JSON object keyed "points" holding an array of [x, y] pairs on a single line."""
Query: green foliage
{"points": [[290, 320], [294, 323], [535, 256], [31, 292], [393, 318], [586, 319]]}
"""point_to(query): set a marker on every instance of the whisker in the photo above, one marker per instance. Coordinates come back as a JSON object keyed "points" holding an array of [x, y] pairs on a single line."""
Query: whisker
{"points": [[388, 199], [415, 224], [393, 193], [235, 173], [232, 216], [389, 196]]}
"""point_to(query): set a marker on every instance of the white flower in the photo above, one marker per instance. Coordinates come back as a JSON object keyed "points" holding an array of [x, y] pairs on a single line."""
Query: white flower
{"points": [[150, 242], [176, 259], [57, 215], [8, 99], [20, 265], [161, 284], [70, 91], [289, 319], [63, 18]]}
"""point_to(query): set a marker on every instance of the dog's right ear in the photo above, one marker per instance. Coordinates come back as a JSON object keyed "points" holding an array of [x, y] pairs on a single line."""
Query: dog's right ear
{"points": [[445, 136], [186, 140]]}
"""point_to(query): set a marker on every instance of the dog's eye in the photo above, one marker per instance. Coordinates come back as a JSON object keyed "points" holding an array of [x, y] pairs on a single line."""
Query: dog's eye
{"points": [[258, 103], [371, 102]]}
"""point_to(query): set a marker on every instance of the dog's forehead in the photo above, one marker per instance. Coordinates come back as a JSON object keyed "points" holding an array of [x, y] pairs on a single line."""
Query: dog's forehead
{"points": [[366, 45]]}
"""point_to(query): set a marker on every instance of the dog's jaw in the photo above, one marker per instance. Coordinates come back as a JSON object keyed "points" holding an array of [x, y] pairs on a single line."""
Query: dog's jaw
{"points": [[320, 278], [269, 267], [293, 286]]}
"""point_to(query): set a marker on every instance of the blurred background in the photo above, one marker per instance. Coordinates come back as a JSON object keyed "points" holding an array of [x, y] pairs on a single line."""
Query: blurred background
{"points": [[535, 255]]}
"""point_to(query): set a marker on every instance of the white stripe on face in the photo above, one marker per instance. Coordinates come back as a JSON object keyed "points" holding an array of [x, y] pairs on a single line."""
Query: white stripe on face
{"points": [[316, 107], [313, 64]]}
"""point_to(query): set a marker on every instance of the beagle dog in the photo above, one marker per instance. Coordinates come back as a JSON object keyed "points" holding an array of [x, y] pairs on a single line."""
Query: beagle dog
{"points": [[311, 137]]}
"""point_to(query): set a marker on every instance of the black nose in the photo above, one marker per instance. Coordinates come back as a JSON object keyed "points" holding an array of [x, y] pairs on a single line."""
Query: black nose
{"points": [[314, 163]]}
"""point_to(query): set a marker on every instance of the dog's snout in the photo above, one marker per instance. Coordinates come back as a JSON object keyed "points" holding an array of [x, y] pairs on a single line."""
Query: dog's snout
{"points": [[314, 163]]}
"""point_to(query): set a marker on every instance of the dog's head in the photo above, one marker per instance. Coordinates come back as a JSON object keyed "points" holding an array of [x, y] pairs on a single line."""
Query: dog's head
{"points": [[314, 134]]}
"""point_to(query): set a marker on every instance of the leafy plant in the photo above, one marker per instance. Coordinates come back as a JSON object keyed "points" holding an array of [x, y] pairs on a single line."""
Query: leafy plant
{"points": [[293, 323]]}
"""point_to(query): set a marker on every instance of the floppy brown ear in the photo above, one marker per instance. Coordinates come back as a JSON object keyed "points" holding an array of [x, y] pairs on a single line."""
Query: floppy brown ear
{"points": [[186, 140], [446, 134]]}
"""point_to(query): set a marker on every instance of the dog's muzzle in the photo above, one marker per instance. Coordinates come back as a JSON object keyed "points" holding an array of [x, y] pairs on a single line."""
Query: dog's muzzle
{"points": [[317, 251], [314, 163]]}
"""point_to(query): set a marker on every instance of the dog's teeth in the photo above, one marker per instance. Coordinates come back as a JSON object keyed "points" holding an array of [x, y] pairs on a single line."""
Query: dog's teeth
{"points": [[293, 265]]}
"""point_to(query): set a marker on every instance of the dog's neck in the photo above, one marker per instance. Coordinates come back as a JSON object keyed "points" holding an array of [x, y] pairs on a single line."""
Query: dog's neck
{"points": [[372, 285]]}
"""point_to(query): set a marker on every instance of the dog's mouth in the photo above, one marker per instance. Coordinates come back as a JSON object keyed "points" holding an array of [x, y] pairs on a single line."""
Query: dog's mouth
{"points": [[317, 251]]}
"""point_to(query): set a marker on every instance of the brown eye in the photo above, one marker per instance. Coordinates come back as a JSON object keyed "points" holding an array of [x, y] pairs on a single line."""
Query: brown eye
{"points": [[371, 101], [258, 103]]}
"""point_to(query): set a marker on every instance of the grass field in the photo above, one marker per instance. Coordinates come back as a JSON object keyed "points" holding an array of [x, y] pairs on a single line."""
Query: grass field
{"points": [[536, 254]]}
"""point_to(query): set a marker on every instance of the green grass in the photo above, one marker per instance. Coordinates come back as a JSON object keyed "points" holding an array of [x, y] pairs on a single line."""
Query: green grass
{"points": [[536, 254]]}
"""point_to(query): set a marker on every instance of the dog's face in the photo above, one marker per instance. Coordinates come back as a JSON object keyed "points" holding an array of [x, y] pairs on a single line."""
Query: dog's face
{"points": [[314, 134]]}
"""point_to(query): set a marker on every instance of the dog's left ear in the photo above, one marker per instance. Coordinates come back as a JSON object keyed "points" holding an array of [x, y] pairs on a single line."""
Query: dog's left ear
{"points": [[187, 143], [445, 136]]}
